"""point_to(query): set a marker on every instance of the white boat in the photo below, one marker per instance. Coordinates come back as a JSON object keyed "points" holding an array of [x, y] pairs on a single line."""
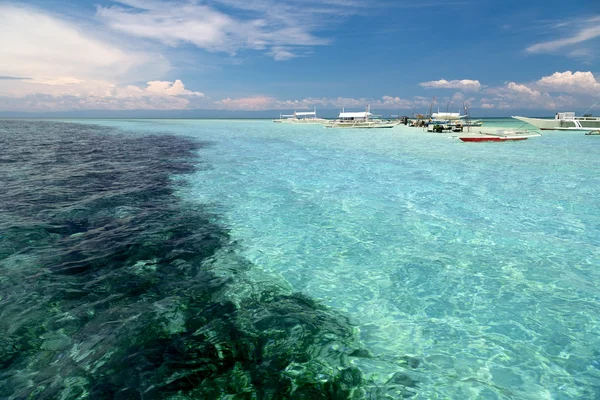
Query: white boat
{"points": [[453, 121], [477, 122], [444, 126], [564, 121], [305, 117], [501, 135], [456, 125], [362, 119], [443, 116], [282, 117]]}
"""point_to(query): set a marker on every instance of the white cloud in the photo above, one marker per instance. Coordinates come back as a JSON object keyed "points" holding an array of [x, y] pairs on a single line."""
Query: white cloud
{"points": [[247, 103], [466, 85], [170, 89], [55, 65], [103, 95], [582, 53], [273, 27], [585, 30], [48, 103], [60, 81], [280, 53], [50, 58], [571, 82], [522, 90], [517, 95], [458, 97], [37, 45]]}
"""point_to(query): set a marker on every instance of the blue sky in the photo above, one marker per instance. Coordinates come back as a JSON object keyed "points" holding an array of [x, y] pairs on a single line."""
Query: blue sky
{"points": [[251, 55]]}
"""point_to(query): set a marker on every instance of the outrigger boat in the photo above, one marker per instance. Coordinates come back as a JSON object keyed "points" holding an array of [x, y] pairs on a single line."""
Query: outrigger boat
{"points": [[566, 121], [305, 117], [445, 121], [442, 116], [359, 120], [499, 136]]}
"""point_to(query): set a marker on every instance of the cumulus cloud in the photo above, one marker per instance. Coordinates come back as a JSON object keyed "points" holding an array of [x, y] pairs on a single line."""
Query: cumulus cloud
{"points": [[522, 90], [170, 89], [273, 27], [102, 95], [466, 85], [518, 95], [571, 82]]}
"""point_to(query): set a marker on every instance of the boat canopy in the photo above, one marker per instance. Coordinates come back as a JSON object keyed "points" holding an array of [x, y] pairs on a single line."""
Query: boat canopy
{"points": [[287, 116], [361, 114], [447, 115], [565, 115], [300, 114]]}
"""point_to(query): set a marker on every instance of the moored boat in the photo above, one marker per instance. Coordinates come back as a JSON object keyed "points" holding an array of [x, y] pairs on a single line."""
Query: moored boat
{"points": [[361, 119], [499, 136], [564, 121], [283, 117], [447, 116], [304, 117]]}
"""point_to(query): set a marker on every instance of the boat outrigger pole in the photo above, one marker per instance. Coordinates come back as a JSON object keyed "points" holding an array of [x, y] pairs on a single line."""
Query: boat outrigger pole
{"points": [[593, 105]]}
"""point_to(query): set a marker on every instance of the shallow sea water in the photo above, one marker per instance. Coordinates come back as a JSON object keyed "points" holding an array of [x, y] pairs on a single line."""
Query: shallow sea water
{"points": [[466, 270]]}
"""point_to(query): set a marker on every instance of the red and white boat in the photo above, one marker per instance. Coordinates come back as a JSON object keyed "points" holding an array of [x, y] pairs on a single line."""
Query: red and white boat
{"points": [[498, 136]]}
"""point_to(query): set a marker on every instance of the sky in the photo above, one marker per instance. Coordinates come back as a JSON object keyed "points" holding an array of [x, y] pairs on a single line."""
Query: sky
{"points": [[501, 57]]}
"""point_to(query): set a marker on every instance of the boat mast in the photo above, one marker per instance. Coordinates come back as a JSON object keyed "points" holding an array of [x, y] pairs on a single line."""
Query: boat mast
{"points": [[468, 116], [431, 106]]}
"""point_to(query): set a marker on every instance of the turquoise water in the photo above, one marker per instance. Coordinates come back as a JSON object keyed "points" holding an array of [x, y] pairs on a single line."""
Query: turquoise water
{"points": [[469, 268], [481, 260], [114, 287]]}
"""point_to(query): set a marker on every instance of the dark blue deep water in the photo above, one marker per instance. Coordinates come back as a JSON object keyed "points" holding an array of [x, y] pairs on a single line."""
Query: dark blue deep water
{"points": [[113, 287]]}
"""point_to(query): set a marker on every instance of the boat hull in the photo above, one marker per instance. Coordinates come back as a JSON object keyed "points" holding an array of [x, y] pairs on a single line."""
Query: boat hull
{"points": [[306, 121], [499, 136], [578, 124], [491, 139], [362, 125]]}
